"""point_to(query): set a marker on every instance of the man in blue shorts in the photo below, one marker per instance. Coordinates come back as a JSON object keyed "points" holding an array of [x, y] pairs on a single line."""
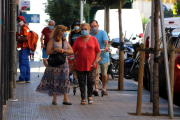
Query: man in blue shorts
{"points": [[103, 63]]}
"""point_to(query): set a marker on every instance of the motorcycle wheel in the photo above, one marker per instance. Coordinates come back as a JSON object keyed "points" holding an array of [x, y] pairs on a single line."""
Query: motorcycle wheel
{"points": [[129, 75], [136, 72]]}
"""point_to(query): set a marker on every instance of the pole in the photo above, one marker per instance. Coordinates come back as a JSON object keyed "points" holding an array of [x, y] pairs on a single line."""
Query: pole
{"points": [[11, 48], [15, 46], [140, 80], [121, 52], [166, 61], [107, 18], [152, 55], [81, 11], [1, 89]]}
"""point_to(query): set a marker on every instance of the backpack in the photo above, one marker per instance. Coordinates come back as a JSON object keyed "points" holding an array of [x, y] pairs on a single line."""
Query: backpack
{"points": [[31, 43], [32, 40]]}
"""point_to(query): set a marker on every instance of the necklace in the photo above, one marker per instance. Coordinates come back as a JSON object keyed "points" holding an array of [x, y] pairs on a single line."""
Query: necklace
{"points": [[86, 39]]}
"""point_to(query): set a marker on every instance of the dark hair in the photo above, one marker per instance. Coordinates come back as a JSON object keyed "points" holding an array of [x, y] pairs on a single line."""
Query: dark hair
{"points": [[93, 21], [75, 23]]}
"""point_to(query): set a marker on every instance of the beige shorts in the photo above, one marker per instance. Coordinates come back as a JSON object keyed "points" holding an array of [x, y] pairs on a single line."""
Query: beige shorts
{"points": [[102, 68]]}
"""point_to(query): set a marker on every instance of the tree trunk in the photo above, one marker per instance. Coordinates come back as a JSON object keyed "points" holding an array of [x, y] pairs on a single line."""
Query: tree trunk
{"points": [[121, 51], [156, 65], [107, 18]]}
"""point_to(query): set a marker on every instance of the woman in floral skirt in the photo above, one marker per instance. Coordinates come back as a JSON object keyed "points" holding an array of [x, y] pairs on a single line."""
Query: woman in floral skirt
{"points": [[55, 80]]}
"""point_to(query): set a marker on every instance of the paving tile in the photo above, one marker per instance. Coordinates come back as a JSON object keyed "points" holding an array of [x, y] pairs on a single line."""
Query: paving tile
{"points": [[116, 106]]}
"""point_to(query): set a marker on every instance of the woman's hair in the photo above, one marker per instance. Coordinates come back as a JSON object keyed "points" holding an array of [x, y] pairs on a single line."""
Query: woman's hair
{"points": [[57, 32], [85, 24]]}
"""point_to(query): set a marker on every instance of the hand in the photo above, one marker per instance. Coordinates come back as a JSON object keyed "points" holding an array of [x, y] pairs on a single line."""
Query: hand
{"points": [[43, 46], [106, 49], [59, 50], [94, 63]]}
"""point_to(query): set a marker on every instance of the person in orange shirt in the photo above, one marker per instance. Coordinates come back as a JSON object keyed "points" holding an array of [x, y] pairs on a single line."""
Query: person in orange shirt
{"points": [[22, 40], [88, 52]]}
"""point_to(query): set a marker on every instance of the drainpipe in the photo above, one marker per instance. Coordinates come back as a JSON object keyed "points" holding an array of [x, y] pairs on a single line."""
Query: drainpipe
{"points": [[11, 48], [3, 50], [6, 48], [15, 46], [1, 82]]}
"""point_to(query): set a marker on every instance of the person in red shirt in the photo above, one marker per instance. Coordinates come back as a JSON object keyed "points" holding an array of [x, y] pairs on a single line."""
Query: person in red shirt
{"points": [[46, 32], [88, 52], [22, 45]]}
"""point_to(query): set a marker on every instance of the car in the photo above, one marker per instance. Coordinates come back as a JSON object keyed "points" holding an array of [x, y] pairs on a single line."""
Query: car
{"points": [[174, 40]]}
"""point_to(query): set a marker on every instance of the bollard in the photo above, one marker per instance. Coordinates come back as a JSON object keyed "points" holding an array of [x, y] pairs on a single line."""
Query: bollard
{"points": [[140, 80]]}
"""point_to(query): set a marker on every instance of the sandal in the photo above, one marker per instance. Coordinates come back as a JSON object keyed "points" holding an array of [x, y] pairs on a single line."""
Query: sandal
{"points": [[90, 101], [54, 103], [95, 93], [67, 103], [83, 102]]}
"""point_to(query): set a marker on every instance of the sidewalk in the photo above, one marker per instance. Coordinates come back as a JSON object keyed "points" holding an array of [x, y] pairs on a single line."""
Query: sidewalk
{"points": [[115, 106]]}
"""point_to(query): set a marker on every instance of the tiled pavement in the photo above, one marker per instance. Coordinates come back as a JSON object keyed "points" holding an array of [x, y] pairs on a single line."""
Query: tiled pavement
{"points": [[116, 106]]}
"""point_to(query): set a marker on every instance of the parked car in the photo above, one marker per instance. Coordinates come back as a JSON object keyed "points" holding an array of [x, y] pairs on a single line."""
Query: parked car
{"points": [[172, 26]]}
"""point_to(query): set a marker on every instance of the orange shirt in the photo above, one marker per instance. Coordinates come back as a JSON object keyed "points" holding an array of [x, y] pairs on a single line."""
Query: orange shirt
{"points": [[86, 53], [24, 31]]}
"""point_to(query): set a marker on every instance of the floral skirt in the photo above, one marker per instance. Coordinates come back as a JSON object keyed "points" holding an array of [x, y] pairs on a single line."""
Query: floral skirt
{"points": [[55, 80]]}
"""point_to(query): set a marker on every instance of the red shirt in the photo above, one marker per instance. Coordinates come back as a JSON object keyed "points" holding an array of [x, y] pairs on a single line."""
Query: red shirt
{"points": [[46, 32], [86, 53]]}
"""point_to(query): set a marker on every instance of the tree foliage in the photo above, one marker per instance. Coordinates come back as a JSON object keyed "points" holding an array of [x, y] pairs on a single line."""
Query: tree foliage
{"points": [[177, 6], [104, 2], [108, 2], [64, 12], [168, 12]]}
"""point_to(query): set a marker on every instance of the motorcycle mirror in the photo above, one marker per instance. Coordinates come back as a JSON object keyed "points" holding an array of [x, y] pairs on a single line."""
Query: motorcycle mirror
{"points": [[133, 38]]}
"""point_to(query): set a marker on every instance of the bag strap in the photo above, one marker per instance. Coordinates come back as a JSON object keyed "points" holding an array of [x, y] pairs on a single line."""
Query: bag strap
{"points": [[62, 43]]}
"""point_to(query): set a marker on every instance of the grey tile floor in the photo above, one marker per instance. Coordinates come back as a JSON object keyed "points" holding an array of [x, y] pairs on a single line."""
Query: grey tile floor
{"points": [[116, 106]]}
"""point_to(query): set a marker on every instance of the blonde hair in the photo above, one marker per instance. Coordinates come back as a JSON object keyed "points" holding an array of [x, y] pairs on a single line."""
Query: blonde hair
{"points": [[85, 24], [57, 32]]}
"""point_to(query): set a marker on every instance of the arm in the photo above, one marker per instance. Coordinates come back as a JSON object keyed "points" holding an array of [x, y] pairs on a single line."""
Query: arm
{"points": [[106, 39], [49, 49], [98, 52], [69, 38], [24, 34], [42, 44], [70, 50], [24, 38], [106, 45]]}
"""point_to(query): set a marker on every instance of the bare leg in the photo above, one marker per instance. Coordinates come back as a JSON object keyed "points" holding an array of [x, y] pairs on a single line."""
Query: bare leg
{"points": [[66, 98], [45, 62], [97, 82], [55, 97], [104, 80]]}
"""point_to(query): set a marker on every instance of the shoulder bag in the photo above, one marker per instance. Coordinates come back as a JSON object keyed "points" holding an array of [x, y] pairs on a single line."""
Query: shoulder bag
{"points": [[57, 59]]}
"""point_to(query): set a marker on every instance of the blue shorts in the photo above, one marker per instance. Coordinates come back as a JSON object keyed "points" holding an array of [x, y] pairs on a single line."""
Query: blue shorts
{"points": [[44, 53]]}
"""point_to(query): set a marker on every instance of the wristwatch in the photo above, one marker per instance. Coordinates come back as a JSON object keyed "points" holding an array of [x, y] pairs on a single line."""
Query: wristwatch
{"points": [[65, 51]]}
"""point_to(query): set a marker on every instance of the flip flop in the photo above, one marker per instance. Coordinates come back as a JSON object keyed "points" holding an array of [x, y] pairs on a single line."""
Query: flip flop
{"points": [[67, 103], [90, 101], [83, 102], [54, 103]]}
